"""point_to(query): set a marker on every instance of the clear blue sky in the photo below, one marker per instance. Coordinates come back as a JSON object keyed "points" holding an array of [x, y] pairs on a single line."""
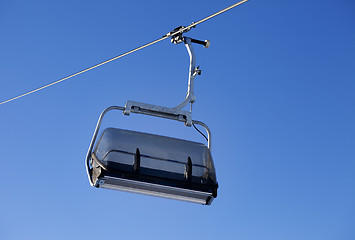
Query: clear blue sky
{"points": [[277, 90]]}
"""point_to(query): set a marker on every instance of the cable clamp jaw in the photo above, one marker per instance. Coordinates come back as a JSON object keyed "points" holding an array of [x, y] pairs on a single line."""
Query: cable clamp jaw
{"points": [[179, 31]]}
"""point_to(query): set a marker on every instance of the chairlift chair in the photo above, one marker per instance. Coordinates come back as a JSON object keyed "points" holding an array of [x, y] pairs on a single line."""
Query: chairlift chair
{"points": [[153, 164]]}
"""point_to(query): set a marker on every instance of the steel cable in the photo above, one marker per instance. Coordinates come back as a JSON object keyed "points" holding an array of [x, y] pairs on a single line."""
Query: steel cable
{"points": [[170, 34]]}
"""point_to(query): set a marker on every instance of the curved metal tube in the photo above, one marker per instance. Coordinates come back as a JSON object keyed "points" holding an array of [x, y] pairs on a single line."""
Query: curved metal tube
{"points": [[87, 161]]}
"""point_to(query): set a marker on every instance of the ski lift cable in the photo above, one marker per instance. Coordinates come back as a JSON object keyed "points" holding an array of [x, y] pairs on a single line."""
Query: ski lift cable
{"points": [[175, 32]]}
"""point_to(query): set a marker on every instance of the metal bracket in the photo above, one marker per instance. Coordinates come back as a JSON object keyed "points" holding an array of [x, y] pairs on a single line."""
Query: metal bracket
{"points": [[158, 111]]}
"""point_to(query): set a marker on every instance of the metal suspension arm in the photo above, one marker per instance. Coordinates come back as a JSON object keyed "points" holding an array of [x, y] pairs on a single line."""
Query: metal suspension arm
{"points": [[175, 113], [193, 71]]}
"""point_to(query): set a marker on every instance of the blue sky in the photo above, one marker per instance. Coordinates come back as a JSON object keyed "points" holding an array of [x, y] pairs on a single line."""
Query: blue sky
{"points": [[277, 90]]}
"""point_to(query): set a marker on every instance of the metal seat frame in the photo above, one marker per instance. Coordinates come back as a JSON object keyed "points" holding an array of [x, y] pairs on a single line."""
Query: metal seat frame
{"points": [[98, 125]]}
